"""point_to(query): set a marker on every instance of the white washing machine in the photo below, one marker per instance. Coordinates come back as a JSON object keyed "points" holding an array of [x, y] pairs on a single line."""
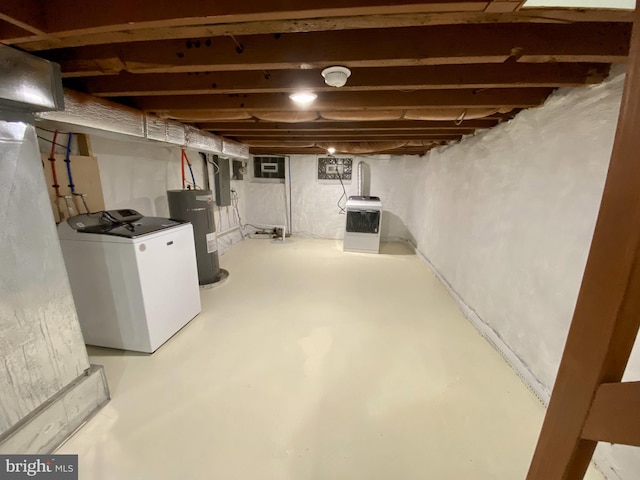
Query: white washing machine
{"points": [[362, 229], [134, 279]]}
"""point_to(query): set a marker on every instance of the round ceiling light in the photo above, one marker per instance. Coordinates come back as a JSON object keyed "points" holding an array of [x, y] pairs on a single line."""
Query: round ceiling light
{"points": [[336, 76], [303, 98]]}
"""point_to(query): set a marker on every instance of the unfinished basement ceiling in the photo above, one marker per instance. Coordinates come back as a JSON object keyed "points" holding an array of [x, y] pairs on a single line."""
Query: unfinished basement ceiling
{"points": [[424, 73]]}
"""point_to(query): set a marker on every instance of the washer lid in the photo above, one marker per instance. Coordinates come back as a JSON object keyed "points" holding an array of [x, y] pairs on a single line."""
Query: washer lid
{"points": [[104, 225], [356, 201]]}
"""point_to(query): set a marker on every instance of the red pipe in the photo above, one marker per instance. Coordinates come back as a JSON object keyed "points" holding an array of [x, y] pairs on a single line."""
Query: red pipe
{"points": [[183, 168], [52, 159]]}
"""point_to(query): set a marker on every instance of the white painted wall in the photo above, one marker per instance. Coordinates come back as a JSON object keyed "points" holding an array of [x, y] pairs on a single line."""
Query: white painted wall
{"points": [[314, 209], [137, 174], [506, 217]]}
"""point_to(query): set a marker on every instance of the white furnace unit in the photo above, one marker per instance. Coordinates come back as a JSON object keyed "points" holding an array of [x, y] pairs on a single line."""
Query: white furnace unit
{"points": [[362, 230], [134, 279]]}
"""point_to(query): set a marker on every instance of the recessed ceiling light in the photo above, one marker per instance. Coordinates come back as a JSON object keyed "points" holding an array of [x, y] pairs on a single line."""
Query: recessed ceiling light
{"points": [[303, 98], [331, 150]]}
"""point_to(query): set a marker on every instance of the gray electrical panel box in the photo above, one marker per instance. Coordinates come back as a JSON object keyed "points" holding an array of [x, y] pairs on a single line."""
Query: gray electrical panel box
{"points": [[222, 181]]}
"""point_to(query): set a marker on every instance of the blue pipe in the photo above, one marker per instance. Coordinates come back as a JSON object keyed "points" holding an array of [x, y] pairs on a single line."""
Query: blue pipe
{"points": [[193, 179], [67, 160]]}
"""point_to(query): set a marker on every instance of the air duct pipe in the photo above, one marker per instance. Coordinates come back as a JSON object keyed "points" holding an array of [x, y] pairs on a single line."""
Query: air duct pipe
{"points": [[361, 174]]}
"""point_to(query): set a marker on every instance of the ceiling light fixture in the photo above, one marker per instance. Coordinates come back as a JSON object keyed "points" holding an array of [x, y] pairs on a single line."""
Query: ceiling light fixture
{"points": [[303, 98], [336, 76], [331, 150]]}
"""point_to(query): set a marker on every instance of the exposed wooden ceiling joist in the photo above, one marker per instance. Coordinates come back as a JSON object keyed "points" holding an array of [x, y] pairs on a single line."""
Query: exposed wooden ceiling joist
{"points": [[355, 138], [118, 34], [372, 126], [29, 15], [351, 135], [106, 15], [292, 150], [509, 97], [229, 66], [457, 44], [221, 26], [509, 75]]}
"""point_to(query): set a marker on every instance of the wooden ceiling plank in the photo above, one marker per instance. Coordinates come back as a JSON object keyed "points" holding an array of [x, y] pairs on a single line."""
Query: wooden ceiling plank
{"points": [[9, 32], [321, 151], [346, 126], [124, 14], [346, 133], [595, 42], [29, 15], [510, 97], [400, 78], [502, 6], [73, 38], [443, 139]]}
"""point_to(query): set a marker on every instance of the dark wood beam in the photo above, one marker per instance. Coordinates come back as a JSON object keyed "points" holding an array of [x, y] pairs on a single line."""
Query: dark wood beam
{"points": [[607, 313], [118, 34], [124, 14], [322, 151], [294, 134], [319, 126], [615, 414], [424, 114], [494, 43], [355, 137], [509, 98], [28, 15], [362, 79], [9, 30]]}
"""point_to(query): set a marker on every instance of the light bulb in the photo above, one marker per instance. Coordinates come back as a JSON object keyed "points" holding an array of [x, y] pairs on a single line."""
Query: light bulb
{"points": [[331, 150], [303, 98]]}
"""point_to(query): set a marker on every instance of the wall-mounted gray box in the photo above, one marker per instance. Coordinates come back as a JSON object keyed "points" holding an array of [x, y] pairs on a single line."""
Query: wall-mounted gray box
{"points": [[222, 181]]}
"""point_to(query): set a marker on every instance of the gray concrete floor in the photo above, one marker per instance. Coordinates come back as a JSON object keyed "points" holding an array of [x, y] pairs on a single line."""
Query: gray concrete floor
{"points": [[312, 363]]}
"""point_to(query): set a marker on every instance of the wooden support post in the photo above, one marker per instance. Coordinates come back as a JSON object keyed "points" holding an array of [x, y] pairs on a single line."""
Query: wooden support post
{"points": [[614, 416], [607, 314]]}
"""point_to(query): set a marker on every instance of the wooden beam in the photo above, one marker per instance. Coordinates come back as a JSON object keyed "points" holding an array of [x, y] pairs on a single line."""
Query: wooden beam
{"points": [[354, 137], [607, 314], [29, 15], [362, 79], [124, 14], [615, 414], [583, 42], [9, 30], [294, 134], [117, 34], [319, 126], [284, 150], [495, 98]]}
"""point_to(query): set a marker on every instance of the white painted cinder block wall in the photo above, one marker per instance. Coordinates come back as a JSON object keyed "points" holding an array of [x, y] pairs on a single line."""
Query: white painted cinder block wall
{"points": [[506, 218], [137, 174], [314, 210]]}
